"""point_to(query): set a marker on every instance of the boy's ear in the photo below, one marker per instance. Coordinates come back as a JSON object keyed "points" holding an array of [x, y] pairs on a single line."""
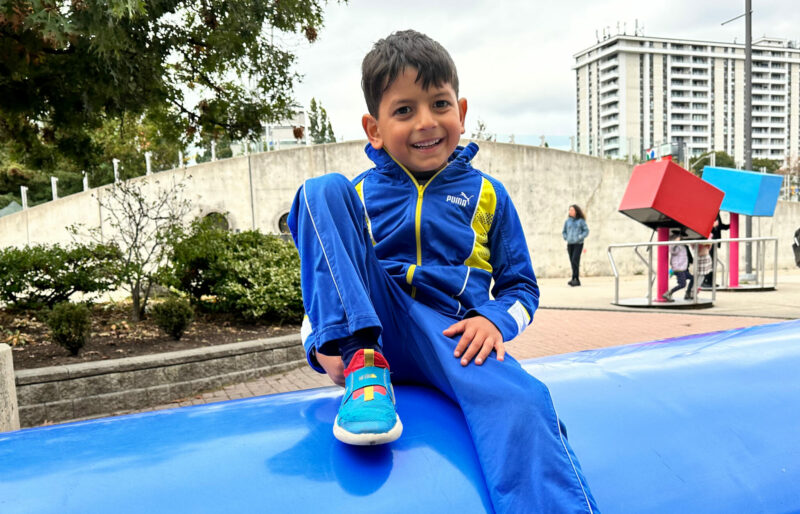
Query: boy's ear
{"points": [[462, 112], [370, 125]]}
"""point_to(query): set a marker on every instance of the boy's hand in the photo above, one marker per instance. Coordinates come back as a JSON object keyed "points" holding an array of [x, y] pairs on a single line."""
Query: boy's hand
{"points": [[479, 337]]}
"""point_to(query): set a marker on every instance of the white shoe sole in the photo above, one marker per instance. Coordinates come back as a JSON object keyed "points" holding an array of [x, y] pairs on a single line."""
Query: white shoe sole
{"points": [[367, 439]]}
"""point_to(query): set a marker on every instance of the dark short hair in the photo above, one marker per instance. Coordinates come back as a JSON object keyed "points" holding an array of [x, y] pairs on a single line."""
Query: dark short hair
{"points": [[400, 50]]}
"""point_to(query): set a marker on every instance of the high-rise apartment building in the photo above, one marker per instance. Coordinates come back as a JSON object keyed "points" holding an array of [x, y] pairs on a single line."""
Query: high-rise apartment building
{"points": [[635, 93]]}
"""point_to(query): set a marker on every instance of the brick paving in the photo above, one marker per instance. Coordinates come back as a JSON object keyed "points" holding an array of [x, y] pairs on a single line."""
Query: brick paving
{"points": [[554, 331]]}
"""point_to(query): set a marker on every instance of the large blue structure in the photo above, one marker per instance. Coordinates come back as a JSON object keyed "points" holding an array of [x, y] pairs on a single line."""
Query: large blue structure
{"points": [[746, 192], [699, 424]]}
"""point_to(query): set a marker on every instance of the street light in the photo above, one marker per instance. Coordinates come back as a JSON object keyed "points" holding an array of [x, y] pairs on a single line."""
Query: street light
{"points": [[748, 117]]}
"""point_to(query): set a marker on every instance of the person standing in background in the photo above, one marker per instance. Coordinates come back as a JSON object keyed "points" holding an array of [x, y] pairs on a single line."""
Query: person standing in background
{"points": [[574, 232], [716, 233]]}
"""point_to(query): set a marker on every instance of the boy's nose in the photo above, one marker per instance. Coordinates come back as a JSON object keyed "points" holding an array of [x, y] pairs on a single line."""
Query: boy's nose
{"points": [[425, 119]]}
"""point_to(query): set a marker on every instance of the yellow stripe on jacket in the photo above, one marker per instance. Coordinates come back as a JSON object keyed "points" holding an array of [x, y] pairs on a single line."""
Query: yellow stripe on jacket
{"points": [[482, 220]]}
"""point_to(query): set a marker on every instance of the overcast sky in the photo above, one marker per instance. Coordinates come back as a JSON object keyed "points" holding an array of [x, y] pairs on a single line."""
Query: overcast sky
{"points": [[514, 58]]}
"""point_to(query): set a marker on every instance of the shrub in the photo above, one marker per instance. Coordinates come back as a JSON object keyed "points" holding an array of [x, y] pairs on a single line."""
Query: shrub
{"points": [[250, 274], [44, 275], [70, 324], [173, 316]]}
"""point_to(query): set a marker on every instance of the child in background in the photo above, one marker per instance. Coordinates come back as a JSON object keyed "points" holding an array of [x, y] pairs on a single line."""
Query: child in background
{"points": [[397, 267], [704, 261], [679, 262]]}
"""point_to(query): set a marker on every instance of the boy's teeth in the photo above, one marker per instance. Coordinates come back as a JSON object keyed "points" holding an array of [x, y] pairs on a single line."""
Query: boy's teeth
{"points": [[427, 144]]}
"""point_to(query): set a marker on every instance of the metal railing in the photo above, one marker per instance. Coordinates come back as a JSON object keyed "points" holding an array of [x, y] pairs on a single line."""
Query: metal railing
{"points": [[760, 253]]}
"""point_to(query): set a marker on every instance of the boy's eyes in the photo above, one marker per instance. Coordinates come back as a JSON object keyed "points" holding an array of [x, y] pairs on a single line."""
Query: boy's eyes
{"points": [[438, 104]]}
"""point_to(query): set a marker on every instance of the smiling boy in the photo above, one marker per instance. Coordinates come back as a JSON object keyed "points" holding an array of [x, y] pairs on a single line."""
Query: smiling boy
{"points": [[421, 263]]}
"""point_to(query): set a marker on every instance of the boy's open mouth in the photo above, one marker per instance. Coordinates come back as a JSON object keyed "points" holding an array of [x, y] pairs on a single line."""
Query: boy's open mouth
{"points": [[424, 145]]}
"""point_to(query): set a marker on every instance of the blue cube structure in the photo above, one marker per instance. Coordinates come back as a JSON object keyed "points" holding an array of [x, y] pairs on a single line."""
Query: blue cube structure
{"points": [[746, 192]]}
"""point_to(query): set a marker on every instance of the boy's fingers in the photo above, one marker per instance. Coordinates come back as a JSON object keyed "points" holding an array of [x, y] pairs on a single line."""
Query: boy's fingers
{"points": [[473, 349], [466, 337], [487, 348], [455, 328], [501, 350]]}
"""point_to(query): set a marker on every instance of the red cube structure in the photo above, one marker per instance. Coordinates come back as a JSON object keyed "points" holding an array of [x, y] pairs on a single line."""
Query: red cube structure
{"points": [[661, 194]]}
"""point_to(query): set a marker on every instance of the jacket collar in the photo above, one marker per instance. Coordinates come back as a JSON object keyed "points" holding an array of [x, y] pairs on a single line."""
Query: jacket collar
{"points": [[383, 161]]}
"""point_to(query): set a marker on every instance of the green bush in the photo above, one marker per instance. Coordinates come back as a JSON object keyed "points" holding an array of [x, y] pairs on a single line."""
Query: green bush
{"points": [[173, 316], [44, 275], [253, 275], [70, 324]]}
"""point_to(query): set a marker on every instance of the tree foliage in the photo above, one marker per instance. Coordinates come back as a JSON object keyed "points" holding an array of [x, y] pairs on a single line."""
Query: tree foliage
{"points": [[253, 275], [319, 126], [71, 69], [721, 160], [771, 165], [44, 275]]}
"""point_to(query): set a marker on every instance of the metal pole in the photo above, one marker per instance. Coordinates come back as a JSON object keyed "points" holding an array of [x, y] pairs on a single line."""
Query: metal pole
{"points": [[147, 157], [23, 192], [54, 186], [748, 121], [650, 277], [115, 162]]}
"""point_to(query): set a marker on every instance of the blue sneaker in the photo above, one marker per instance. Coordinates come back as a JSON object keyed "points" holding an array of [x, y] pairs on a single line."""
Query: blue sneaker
{"points": [[367, 415]]}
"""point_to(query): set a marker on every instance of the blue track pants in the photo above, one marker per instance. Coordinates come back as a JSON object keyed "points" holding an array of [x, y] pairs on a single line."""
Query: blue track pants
{"points": [[527, 462]]}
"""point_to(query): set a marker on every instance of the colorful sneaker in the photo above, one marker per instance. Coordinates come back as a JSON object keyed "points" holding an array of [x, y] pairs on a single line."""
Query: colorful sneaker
{"points": [[367, 415]]}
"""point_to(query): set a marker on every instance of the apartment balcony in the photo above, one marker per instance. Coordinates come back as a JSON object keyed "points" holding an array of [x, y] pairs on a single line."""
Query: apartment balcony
{"points": [[685, 75], [609, 63], [610, 72], [608, 100], [614, 86]]}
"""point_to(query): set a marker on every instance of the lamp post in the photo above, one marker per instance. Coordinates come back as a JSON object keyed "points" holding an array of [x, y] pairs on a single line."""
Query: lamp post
{"points": [[23, 192], [147, 157], [115, 162], [748, 116]]}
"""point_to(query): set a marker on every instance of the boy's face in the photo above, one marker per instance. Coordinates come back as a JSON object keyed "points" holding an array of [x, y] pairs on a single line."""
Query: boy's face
{"points": [[420, 128]]}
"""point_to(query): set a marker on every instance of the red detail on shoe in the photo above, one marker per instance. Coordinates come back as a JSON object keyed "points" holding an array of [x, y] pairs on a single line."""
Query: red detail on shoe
{"points": [[378, 389], [357, 362]]}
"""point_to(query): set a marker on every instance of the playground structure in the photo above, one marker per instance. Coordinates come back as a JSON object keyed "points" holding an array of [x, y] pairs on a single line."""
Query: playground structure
{"points": [[696, 302], [746, 193], [703, 423], [661, 195]]}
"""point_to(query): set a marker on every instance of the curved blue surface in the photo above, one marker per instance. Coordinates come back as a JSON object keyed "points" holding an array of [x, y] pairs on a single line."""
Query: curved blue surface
{"points": [[707, 423]]}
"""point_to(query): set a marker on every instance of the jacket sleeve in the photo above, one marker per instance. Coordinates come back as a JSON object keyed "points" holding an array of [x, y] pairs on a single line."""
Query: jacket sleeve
{"points": [[584, 230], [515, 291], [564, 230]]}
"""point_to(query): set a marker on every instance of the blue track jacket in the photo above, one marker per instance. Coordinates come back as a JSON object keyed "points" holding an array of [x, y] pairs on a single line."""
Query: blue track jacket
{"points": [[446, 241]]}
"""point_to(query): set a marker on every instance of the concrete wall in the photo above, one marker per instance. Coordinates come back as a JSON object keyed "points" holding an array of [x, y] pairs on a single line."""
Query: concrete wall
{"points": [[103, 388], [9, 413], [256, 190]]}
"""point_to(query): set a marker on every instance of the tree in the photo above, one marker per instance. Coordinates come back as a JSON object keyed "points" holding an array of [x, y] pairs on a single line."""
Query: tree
{"points": [[481, 134], [67, 68], [721, 160], [144, 225], [771, 165], [319, 127]]}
